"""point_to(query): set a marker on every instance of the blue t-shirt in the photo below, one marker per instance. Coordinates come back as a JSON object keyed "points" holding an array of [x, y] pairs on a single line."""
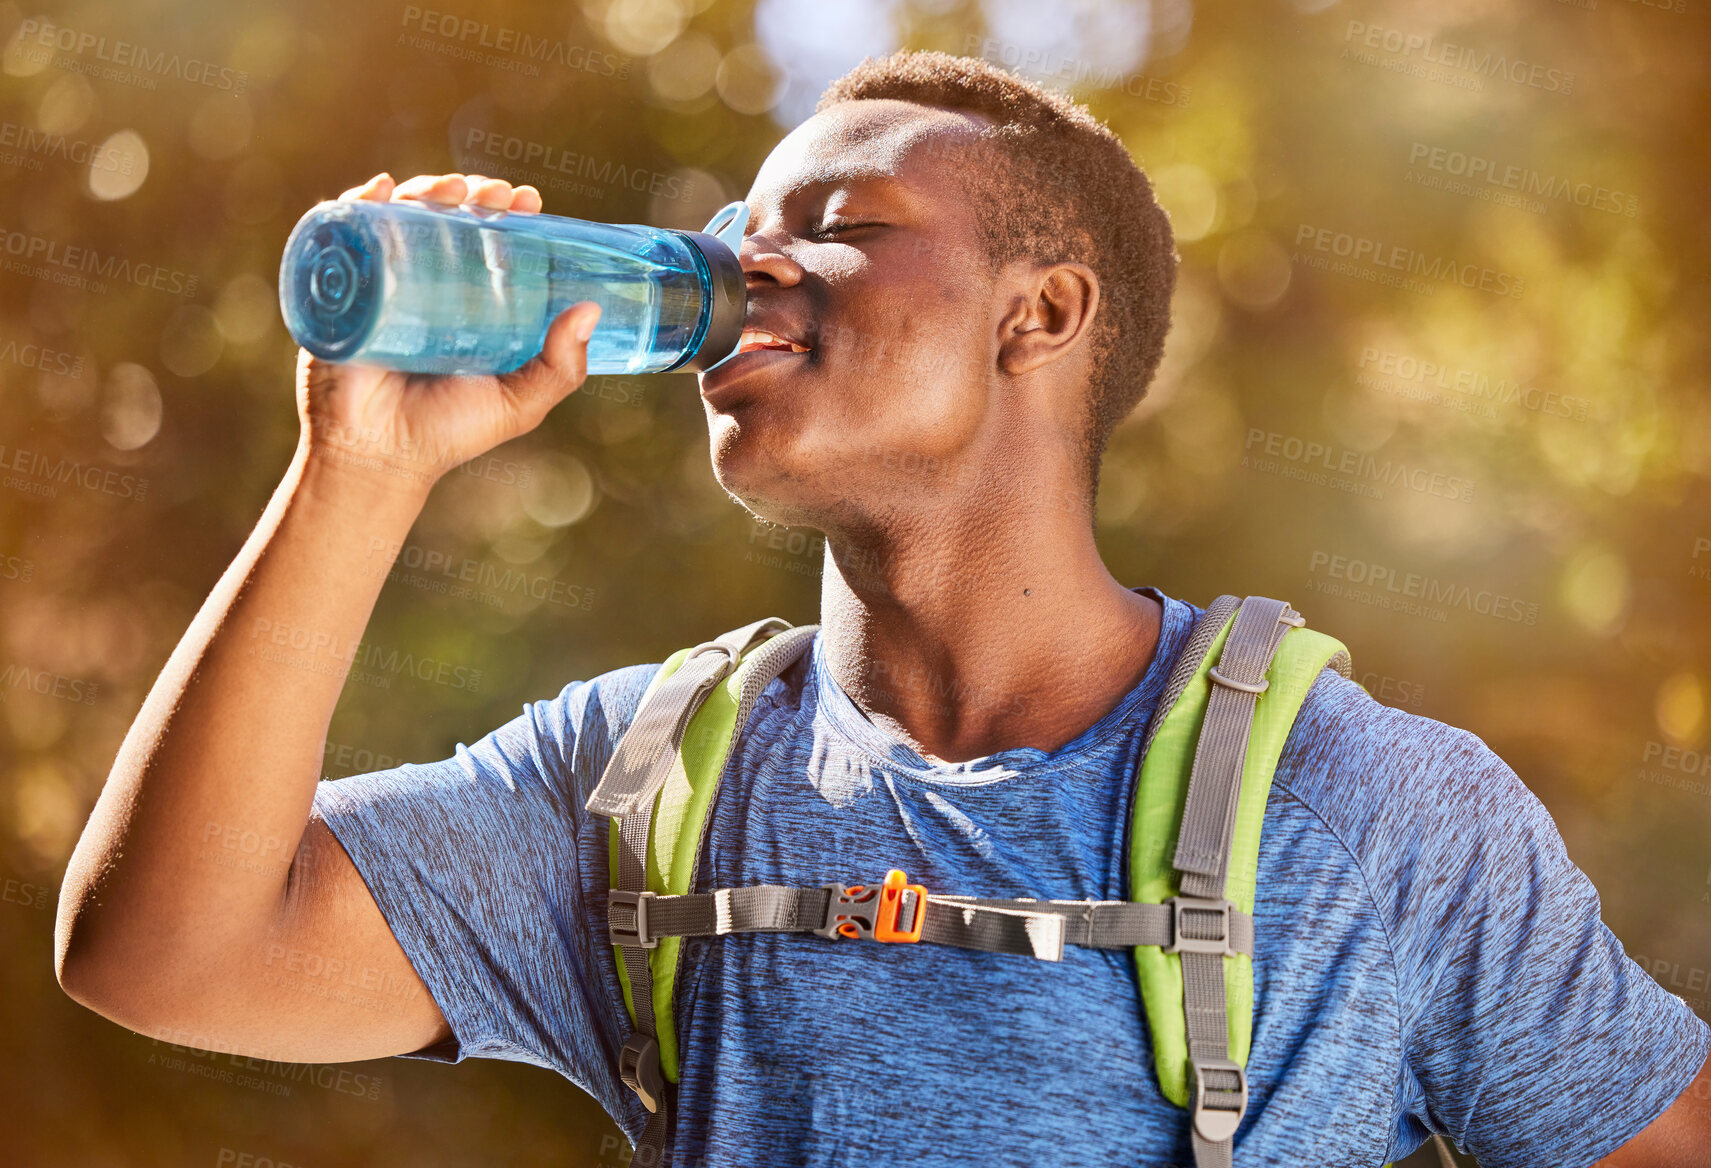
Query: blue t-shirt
{"points": [[1427, 958]]}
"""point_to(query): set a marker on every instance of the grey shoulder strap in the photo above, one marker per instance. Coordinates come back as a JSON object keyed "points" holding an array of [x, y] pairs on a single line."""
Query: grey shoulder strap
{"points": [[642, 759], [629, 788], [1202, 857]]}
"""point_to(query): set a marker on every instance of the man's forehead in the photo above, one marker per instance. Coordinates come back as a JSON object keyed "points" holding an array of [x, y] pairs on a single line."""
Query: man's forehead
{"points": [[866, 139]]}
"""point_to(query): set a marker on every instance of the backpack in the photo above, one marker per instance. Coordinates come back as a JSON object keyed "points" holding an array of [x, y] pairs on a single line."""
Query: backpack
{"points": [[1192, 843]]}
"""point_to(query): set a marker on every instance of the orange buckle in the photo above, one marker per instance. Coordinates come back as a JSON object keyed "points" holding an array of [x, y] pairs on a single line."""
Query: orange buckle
{"points": [[875, 914]]}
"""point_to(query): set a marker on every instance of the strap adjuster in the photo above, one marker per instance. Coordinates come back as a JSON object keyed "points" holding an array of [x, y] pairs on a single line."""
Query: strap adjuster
{"points": [[627, 918], [1217, 1124], [894, 911], [1207, 914], [638, 1066], [732, 657], [1229, 682]]}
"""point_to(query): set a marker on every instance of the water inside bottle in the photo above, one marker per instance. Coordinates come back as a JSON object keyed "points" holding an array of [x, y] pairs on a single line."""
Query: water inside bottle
{"points": [[458, 290]]}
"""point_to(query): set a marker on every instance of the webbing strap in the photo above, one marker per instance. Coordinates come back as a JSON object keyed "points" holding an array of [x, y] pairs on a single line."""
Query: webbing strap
{"points": [[1018, 925], [1104, 924], [629, 790], [643, 757], [1203, 847], [1202, 858]]}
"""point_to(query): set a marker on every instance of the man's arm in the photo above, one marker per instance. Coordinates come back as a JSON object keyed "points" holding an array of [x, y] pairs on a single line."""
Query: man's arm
{"points": [[201, 904], [1679, 1138]]}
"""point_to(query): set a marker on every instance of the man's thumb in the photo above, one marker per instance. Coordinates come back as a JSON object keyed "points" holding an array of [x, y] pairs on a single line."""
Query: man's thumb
{"points": [[562, 363]]}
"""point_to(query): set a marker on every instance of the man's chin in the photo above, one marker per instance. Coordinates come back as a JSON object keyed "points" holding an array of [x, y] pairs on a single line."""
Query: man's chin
{"points": [[776, 493]]}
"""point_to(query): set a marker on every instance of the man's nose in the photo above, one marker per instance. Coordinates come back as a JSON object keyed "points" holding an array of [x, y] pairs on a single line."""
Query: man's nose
{"points": [[765, 261]]}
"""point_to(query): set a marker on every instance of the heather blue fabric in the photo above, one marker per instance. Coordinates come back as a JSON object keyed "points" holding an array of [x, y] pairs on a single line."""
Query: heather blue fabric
{"points": [[1427, 956]]}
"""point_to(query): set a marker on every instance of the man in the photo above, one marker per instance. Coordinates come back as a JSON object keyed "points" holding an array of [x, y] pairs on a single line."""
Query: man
{"points": [[968, 276]]}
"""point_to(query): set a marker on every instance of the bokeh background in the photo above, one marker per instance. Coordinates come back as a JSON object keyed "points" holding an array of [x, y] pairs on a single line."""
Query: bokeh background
{"points": [[1437, 375]]}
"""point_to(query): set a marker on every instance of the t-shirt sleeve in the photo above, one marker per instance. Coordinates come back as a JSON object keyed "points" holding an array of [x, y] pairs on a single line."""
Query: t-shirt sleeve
{"points": [[475, 862], [1529, 1035]]}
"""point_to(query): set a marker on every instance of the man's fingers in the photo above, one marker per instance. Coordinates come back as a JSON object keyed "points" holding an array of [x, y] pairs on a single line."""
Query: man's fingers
{"points": [[494, 193], [434, 188], [378, 188], [489, 192], [526, 198], [562, 363]]}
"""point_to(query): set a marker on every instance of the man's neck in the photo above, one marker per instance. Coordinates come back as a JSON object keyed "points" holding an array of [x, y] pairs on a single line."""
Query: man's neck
{"points": [[969, 644]]}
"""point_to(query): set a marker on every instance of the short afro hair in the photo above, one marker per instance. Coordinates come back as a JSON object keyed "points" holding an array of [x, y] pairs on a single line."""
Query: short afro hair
{"points": [[1066, 189]]}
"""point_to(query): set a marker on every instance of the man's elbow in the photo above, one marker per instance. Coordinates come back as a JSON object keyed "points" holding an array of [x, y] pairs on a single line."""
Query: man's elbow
{"points": [[105, 974], [83, 970]]}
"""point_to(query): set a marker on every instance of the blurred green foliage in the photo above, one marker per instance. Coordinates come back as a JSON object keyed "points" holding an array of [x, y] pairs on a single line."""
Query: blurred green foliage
{"points": [[1334, 400]]}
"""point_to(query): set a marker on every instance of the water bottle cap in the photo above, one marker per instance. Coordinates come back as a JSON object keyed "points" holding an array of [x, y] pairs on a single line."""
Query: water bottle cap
{"points": [[720, 245], [728, 225]]}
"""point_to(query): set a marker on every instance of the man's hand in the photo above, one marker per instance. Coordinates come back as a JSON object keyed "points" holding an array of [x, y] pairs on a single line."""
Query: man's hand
{"points": [[418, 426]]}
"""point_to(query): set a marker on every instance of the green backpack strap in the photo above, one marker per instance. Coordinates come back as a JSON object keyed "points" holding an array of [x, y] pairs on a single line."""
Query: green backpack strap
{"points": [[1208, 762], [657, 789]]}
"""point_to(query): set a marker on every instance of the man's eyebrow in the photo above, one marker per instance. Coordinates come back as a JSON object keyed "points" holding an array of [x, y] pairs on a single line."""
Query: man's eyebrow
{"points": [[848, 174]]}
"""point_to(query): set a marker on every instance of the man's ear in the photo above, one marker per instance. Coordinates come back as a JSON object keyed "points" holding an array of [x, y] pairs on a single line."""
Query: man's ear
{"points": [[1049, 315]]}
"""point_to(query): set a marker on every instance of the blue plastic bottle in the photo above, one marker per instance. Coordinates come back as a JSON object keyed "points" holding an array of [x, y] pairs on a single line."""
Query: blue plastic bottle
{"points": [[433, 289]]}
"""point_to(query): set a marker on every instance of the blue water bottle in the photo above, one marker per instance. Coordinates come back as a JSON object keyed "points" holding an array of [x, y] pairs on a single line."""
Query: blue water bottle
{"points": [[428, 288]]}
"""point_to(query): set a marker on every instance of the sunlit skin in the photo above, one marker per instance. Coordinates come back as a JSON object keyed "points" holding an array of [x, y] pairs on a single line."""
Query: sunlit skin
{"points": [[929, 429], [931, 432]]}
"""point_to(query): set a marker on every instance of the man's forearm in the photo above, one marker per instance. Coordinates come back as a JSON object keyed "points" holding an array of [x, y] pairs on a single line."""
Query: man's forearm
{"points": [[223, 757]]}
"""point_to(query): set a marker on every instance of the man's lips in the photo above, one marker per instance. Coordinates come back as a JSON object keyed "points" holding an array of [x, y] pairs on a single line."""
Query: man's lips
{"points": [[757, 338], [757, 348]]}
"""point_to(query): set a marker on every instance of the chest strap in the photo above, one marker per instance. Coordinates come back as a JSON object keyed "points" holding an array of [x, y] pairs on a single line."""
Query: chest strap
{"points": [[1192, 845], [896, 911]]}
